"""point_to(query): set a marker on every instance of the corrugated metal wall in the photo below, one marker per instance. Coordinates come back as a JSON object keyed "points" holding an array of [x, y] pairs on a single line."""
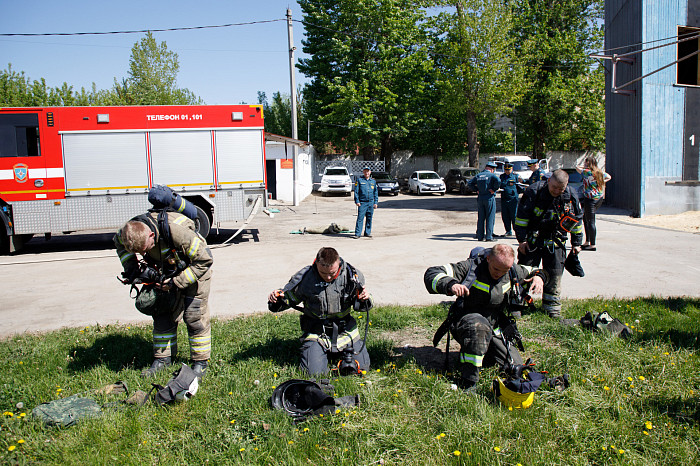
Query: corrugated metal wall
{"points": [[623, 28]]}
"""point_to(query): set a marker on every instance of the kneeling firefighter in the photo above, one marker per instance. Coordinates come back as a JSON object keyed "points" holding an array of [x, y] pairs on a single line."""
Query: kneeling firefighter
{"points": [[176, 262], [330, 289], [490, 290]]}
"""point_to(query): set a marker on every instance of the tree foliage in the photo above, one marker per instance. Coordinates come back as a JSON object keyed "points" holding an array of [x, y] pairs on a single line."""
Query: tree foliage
{"points": [[278, 114], [563, 106], [478, 75], [366, 68]]}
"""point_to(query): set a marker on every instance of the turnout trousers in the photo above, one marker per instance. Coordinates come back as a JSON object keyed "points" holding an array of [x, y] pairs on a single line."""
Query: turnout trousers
{"points": [[192, 307], [481, 346], [315, 357], [552, 258]]}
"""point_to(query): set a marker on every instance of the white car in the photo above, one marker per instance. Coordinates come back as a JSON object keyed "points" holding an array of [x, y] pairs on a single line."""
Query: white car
{"points": [[335, 180], [424, 181]]}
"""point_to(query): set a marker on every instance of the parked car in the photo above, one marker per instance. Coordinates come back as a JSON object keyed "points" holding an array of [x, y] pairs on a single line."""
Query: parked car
{"points": [[457, 179], [335, 180], [386, 183], [425, 181]]}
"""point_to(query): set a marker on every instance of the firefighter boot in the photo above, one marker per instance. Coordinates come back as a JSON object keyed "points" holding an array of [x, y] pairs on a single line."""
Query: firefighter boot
{"points": [[157, 365], [200, 369], [470, 376]]}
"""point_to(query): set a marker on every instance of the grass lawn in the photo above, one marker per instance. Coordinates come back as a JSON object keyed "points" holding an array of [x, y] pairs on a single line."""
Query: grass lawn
{"points": [[631, 401]]}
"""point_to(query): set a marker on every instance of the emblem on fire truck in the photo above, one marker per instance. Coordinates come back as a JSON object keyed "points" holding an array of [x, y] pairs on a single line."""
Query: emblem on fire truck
{"points": [[20, 170]]}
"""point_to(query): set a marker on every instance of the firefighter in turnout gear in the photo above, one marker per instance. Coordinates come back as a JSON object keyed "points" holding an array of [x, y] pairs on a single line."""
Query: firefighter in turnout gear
{"points": [[488, 286], [329, 289], [176, 253], [548, 211]]}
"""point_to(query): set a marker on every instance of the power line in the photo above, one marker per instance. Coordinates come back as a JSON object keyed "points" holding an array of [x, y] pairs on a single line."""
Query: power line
{"points": [[140, 31]]}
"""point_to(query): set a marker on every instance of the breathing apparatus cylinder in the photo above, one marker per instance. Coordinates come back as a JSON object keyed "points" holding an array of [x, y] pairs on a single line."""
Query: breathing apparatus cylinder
{"points": [[162, 196]]}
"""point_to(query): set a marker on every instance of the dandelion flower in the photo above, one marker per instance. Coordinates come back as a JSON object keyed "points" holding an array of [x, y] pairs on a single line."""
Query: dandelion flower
{"points": [[645, 432], [20, 441], [379, 370], [648, 425], [456, 452], [7, 413], [242, 450], [230, 393], [442, 434], [337, 411], [606, 388], [342, 425], [233, 421], [11, 448], [621, 452], [399, 390], [291, 442], [630, 379], [306, 429], [496, 449]]}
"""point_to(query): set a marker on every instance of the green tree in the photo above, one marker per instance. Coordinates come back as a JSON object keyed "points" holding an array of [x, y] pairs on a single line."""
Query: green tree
{"points": [[478, 77], [152, 77], [278, 114], [563, 106], [366, 69]]}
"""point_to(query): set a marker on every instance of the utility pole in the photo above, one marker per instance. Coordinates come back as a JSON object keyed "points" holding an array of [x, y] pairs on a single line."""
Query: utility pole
{"points": [[292, 89]]}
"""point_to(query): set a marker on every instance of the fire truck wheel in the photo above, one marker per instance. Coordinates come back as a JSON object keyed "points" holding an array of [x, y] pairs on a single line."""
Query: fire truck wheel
{"points": [[4, 243], [202, 224]]}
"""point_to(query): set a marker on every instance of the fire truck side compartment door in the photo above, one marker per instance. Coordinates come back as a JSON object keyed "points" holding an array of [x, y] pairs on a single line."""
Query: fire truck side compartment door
{"points": [[96, 163], [182, 159], [22, 165], [239, 157]]}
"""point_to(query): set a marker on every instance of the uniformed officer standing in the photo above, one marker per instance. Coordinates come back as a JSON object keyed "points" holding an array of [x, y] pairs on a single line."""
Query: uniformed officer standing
{"points": [[328, 288], [509, 197], [366, 198], [186, 258], [486, 184], [537, 173], [547, 213]]}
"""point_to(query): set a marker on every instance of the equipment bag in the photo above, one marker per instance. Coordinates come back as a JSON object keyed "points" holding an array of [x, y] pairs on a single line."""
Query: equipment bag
{"points": [[604, 321], [67, 411], [302, 399], [181, 387]]}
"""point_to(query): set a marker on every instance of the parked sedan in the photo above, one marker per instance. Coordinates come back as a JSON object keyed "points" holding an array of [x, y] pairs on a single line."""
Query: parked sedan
{"points": [[424, 181], [386, 183], [457, 179]]}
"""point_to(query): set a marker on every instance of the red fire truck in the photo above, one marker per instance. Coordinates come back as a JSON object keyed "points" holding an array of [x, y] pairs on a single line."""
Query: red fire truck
{"points": [[67, 169]]}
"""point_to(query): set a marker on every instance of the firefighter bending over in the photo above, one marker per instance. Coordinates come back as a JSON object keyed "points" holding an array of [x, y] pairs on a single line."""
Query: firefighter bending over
{"points": [[179, 261], [488, 285], [329, 289]]}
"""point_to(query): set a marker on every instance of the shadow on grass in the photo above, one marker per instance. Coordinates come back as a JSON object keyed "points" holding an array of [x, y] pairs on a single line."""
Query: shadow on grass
{"points": [[115, 352], [427, 357], [678, 409], [677, 334]]}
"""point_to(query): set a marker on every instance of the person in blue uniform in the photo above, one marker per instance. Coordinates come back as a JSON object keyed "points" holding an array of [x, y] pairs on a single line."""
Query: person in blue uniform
{"points": [[537, 173], [486, 184], [366, 198], [509, 197]]}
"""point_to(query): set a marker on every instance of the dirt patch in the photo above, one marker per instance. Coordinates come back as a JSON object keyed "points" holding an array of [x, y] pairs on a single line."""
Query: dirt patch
{"points": [[416, 343], [687, 221]]}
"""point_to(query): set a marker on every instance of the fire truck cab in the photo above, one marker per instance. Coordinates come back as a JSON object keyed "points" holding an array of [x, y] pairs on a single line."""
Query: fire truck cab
{"points": [[67, 169]]}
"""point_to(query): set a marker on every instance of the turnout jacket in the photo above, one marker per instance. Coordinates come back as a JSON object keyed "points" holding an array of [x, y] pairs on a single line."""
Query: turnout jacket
{"points": [[327, 306], [487, 296], [539, 215], [187, 246]]}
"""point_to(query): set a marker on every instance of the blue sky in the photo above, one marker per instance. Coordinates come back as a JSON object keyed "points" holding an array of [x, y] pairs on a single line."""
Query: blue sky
{"points": [[221, 65]]}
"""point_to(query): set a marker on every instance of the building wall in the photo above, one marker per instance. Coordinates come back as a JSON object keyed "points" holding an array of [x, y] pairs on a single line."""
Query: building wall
{"points": [[663, 108], [285, 176], [623, 112]]}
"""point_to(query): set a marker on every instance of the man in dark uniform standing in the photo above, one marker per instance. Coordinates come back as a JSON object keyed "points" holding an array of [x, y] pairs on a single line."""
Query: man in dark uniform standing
{"points": [[537, 173], [486, 184], [547, 213], [366, 199], [509, 197]]}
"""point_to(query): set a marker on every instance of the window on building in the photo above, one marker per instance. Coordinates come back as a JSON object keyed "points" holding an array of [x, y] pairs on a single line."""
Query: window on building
{"points": [[688, 70], [19, 135]]}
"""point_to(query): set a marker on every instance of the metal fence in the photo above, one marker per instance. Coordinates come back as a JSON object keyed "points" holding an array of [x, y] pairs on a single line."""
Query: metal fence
{"points": [[354, 167]]}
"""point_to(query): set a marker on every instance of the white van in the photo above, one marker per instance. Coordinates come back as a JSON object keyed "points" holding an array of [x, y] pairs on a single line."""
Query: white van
{"points": [[519, 163]]}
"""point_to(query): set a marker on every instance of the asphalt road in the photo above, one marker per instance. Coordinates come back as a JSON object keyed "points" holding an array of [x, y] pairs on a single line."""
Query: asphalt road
{"points": [[71, 280]]}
